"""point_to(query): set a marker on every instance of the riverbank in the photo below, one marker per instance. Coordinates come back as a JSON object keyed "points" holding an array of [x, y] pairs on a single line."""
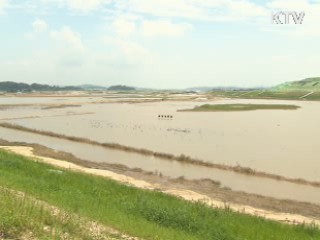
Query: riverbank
{"points": [[207, 187], [137, 212]]}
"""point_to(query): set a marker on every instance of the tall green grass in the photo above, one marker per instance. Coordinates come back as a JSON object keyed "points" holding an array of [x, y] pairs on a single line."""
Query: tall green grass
{"points": [[142, 213], [22, 217]]}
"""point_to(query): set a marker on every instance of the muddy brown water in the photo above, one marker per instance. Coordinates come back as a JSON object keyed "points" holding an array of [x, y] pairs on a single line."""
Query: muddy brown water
{"points": [[281, 142], [235, 181]]}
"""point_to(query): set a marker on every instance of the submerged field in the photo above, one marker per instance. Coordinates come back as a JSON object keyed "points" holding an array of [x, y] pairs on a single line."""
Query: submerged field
{"points": [[136, 212], [257, 152], [266, 159], [264, 140]]}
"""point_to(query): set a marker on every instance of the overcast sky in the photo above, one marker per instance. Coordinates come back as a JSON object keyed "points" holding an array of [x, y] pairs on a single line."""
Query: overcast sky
{"points": [[157, 43]]}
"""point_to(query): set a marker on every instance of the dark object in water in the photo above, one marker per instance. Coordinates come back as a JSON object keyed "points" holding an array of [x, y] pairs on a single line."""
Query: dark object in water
{"points": [[165, 116]]}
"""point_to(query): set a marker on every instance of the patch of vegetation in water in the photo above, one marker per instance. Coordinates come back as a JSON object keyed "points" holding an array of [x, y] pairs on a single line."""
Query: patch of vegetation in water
{"points": [[142, 213], [239, 107]]}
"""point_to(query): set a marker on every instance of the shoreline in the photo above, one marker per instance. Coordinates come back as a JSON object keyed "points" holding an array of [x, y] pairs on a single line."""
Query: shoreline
{"points": [[186, 194]]}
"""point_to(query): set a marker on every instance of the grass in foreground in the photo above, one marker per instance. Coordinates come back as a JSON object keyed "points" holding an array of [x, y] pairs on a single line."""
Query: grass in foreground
{"points": [[239, 107], [146, 214], [22, 217]]}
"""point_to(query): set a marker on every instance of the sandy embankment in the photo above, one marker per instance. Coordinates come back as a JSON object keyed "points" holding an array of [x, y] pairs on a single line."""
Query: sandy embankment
{"points": [[185, 194]]}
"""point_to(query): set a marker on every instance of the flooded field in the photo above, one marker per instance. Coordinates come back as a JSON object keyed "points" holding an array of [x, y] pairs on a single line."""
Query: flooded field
{"points": [[281, 142], [235, 181]]}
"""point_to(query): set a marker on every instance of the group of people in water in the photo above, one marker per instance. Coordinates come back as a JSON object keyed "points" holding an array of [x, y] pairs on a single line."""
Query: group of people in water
{"points": [[165, 116]]}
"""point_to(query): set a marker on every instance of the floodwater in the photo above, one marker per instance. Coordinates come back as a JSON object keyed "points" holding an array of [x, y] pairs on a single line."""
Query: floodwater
{"points": [[282, 142], [174, 169]]}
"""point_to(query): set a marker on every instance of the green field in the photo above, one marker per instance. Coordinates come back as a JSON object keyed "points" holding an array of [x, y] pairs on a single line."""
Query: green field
{"points": [[307, 84], [136, 212], [239, 107]]}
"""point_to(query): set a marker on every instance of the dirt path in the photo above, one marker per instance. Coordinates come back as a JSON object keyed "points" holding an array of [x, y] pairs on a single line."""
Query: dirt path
{"points": [[306, 95], [185, 194]]}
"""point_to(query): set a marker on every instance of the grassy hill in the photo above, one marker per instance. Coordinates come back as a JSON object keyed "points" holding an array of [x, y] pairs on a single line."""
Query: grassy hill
{"points": [[308, 84], [306, 89]]}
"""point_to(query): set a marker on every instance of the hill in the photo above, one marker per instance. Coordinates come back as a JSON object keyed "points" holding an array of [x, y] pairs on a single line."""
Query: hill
{"points": [[217, 88], [308, 84], [91, 87], [24, 87], [14, 87], [121, 88]]}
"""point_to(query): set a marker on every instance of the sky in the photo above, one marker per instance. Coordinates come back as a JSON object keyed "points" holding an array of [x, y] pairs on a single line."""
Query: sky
{"points": [[158, 43]]}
